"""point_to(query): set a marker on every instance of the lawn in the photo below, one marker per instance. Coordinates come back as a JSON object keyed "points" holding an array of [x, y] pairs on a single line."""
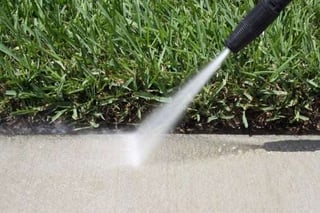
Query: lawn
{"points": [[108, 63]]}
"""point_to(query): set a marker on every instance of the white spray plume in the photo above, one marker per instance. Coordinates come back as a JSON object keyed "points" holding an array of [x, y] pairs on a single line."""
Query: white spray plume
{"points": [[165, 117]]}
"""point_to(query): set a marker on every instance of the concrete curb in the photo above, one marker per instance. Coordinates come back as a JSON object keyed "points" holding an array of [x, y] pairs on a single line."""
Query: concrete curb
{"points": [[187, 173]]}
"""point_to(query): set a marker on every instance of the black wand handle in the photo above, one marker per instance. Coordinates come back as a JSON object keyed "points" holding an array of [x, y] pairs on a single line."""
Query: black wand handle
{"points": [[258, 19]]}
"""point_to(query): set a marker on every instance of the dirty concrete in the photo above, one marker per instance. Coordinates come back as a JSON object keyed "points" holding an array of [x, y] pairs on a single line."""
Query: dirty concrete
{"points": [[187, 173]]}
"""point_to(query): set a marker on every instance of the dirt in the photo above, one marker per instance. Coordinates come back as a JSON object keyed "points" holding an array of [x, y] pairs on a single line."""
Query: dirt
{"points": [[27, 125]]}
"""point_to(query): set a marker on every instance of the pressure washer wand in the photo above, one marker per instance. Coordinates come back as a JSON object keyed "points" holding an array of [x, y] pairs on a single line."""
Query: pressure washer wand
{"points": [[258, 19]]}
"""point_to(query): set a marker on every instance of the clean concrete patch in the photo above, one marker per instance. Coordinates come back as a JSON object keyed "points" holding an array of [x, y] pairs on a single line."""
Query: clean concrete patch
{"points": [[187, 173]]}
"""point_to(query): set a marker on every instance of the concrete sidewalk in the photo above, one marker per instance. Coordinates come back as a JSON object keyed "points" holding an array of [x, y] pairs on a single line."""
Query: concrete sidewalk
{"points": [[187, 173]]}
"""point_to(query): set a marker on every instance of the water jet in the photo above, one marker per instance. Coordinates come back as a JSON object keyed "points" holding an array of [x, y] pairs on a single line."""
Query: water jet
{"points": [[166, 116]]}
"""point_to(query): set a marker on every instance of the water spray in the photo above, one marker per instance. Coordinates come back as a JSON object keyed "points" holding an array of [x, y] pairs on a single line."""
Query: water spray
{"points": [[152, 130]]}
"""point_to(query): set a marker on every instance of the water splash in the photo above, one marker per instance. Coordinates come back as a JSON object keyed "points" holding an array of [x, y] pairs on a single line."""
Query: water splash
{"points": [[165, 117]]}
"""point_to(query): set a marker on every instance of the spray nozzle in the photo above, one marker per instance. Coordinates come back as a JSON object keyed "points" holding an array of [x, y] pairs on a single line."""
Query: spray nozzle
{"points": [[258, 19]]}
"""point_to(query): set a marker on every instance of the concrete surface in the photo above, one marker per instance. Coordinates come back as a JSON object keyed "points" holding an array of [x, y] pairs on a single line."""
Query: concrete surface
{"points": [[187, 173]]}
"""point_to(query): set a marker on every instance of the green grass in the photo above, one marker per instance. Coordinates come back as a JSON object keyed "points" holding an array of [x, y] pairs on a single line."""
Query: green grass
{"points": [[110, 62]]}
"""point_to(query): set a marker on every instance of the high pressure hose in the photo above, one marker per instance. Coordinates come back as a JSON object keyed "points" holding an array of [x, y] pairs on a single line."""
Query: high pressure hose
{"points": [[258, 19]]}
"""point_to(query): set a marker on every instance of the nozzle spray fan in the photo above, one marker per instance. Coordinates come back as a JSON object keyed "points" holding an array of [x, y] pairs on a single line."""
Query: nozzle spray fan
{"points": [[164, 118], [260, 17]]}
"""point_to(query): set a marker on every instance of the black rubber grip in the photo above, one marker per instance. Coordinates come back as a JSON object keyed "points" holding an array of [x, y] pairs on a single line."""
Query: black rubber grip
{"points": [[258, 19]]}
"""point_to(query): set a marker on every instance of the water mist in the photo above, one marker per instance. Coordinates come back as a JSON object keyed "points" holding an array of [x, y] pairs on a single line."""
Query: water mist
{"points": [[147, 137], [164, 118]]}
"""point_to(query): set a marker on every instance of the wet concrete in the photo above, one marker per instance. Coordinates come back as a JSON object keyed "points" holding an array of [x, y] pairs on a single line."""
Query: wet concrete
{"points": [[187, 173]]}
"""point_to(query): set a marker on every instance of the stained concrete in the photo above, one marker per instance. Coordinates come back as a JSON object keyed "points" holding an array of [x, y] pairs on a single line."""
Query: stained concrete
{"points": [[187, 173]]}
